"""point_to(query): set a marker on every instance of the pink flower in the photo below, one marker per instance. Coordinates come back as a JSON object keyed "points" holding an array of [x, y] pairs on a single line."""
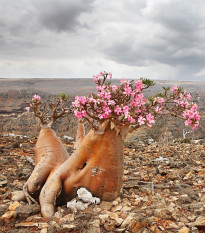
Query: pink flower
{"points": [[100, 88], [114, 88], [76, 104], [194, 107], [111, 102], [36, 97], [78, 114], [106, 112], [126, 110], [139, 85], [188, 122], [100, 116], [96, 78], [185, 114], [197, 117], [83, 100], [107, 95], [92, 100], [183, 103], [188, 96], [127, 90], [84, 113], [102, 74], [159, 100], [141, 120], [79, 100], [27, 109], [158, 109], [123, 80], [150, 120], [139, 100], [110, 74], [195, 125], [174, 88], [130, 119], [118, 110]]}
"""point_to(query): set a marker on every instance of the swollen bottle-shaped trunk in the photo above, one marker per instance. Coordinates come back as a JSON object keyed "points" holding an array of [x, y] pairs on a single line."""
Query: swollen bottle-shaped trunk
{"points": [[103, 168], [49, 146], [96, 164], [50, 153]]}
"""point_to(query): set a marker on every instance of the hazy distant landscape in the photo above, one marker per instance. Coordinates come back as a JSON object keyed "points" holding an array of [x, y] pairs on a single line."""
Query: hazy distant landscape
{"points": [[83, 86]]}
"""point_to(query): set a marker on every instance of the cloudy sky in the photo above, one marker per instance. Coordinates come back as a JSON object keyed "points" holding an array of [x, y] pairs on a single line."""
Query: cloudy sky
{"points": [[157, 39]]}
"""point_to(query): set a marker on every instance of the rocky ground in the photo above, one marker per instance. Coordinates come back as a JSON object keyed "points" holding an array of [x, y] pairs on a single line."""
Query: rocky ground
{"points": [[164, 191]]}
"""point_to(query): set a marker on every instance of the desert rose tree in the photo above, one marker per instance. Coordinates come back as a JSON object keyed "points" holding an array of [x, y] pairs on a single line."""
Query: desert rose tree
{"points": [[50, 152], [97, 160]]}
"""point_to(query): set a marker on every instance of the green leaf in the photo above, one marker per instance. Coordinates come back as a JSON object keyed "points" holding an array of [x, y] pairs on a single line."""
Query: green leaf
{"points": [[147, 82], [63, 96], [95, 96], [151, 98], [180, 89], [166, 88], [160, 95], [108, 83]]}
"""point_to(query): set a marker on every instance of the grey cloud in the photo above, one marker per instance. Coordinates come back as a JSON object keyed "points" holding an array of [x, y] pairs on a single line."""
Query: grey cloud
{"points": [[177, 15], [62, 15], [125, 53], [143, 54], [173, 34], [29, 28], [17, 27]]}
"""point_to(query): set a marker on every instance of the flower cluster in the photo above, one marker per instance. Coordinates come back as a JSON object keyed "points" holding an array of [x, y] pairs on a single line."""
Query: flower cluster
{"points": [[190, 113], [123, 104], [126, 105], [35, 99], [192, 116]]}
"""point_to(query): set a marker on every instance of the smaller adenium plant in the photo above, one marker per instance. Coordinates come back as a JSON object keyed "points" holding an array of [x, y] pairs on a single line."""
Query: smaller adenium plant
{"points": [[125, 104], [48, 113]]}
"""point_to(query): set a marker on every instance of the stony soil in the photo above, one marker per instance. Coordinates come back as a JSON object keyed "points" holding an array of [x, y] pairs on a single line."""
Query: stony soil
{"points": [[164, 191]]}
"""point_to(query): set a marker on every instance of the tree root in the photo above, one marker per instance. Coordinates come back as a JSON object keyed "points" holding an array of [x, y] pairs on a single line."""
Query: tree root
{"points": [[49, 155], [29, 198], [18, 196]]}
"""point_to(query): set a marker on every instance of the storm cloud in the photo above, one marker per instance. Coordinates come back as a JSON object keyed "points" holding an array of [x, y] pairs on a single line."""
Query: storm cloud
{"points": [[159, 39], [62, 15]]}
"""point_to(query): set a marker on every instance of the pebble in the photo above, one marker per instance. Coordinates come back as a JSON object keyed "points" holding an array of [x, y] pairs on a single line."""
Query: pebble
{"points": [[184, 230], [200, 221], [14, 205], [105, 205], [103, 218], [9, 217]]}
